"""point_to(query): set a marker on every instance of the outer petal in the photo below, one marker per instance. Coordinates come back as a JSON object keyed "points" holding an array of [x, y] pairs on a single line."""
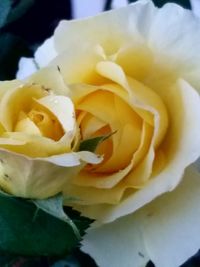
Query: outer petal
{"points": [[195, 7], [118, 244], [45, 53], [40, 177], [51, 79], [109, 29], [171, 223], [178, 49], [26, 66], [166, 231], [80, 10], [127, 23]]}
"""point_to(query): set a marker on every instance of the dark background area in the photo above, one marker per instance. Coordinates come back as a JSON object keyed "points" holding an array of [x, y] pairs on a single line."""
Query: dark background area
{"points": [[23, 28], [30, 22]]}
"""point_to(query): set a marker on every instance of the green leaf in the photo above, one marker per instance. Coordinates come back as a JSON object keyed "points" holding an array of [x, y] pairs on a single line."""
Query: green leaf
{"points": [[19, 10], [27, 230], [5, 7], [54, 206], [92, 143]]}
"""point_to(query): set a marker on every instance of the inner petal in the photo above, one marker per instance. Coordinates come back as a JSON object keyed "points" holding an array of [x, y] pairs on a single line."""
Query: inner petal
{"points": [[45, 121], [16, 100], [26, 125], [90, 124]]}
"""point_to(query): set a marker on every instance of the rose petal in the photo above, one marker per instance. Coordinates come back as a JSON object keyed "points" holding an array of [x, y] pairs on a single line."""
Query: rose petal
{"points": [[33, 145], [40, 177], [79, 66], [26, 125], [183, 30], [118, 244], [45, 53], [17, 99], [127, 24], [51, 79], [160, 231], [171, 223], [63, 109], [26, 67]]}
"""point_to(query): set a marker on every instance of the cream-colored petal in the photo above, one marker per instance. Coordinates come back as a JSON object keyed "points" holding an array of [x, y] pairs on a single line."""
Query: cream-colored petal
{"points": [[9, 85], [26, 125], [40, 177], [135, 59], [117, 244], [74, 158], [183, 31], [170, 223], [79, 66], [127, 24], [17, 99], [45, 53], [89, 124], [98, 180], [165, 231], [26, 67], [143, 99], [63, 109], [183, 142], [87, 198], [51, 79], [33, 145]]}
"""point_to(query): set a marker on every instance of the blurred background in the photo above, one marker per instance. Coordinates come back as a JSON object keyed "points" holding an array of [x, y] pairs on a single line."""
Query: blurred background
{"points": [[24, 25]]}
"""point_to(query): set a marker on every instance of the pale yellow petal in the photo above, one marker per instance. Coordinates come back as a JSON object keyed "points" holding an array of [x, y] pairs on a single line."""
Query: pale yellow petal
{"points": [[45, 53], [15, 100], [26, 125], [79, 66], [51, 79], [33, 145], [143, 99], [117, 244], [127, 24], [62, 108], [40, 177]]}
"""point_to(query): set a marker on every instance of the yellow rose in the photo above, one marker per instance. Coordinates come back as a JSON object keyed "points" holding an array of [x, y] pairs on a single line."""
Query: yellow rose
{"points": [[134, 72], [38, 134]]}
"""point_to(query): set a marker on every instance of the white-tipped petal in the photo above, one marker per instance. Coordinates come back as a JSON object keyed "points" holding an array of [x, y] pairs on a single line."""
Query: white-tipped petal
{"points": [[63, 108], [128, 23], [26, 67], [118, 244], [45, 53], [51, 79], [40, 177], [165, 231], [171, 223]]}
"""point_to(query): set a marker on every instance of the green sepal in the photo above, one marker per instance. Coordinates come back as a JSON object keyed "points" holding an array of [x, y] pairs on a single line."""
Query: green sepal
{"points": [[54, 207], [92, 143]]}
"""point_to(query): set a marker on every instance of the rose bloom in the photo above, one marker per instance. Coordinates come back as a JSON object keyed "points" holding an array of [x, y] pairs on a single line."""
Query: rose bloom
{"points": [[38, 136], [134, 72]]}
